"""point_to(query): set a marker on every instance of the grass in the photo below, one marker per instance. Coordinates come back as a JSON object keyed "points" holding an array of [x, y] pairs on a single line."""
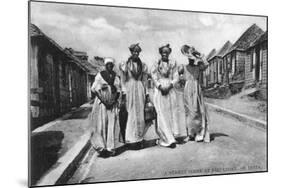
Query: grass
{"points": [[244, 105]]}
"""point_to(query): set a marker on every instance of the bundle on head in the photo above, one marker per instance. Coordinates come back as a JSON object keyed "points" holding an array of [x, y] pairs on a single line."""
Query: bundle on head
{"points": [[190, 50]]}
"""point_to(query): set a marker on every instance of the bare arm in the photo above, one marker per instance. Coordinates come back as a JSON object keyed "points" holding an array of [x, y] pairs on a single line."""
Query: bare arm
{"points": [[204, 63]]}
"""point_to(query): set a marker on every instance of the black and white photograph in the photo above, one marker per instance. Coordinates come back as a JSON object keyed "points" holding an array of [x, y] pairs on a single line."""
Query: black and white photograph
{"points": [[120, 93]]}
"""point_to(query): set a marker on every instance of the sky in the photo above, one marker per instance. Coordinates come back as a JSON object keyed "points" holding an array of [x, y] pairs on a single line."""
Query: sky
{"points": [[109, 31]]}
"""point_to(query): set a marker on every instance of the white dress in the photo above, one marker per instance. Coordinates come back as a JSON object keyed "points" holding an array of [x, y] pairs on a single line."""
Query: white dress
{"points": [[196, 111], [171, 122], [104, 121], [135, 90]]}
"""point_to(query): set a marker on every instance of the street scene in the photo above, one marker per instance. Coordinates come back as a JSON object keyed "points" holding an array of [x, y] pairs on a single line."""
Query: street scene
{"points": [[234, 148], [144, 94]]}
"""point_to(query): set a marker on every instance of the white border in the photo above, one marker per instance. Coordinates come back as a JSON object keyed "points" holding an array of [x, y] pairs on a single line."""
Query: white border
{"points": [[14, 92]]}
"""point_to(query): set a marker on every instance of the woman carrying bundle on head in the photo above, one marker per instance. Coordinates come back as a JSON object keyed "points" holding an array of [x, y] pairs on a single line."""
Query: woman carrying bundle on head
{"points": [[196, 112]]}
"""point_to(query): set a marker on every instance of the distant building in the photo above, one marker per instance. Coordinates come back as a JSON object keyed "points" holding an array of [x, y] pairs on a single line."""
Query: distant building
{"points": [[234, 59], [98, 63], [58, 79], [213, 64], [206, 74], [217, 67], [91, 69]]}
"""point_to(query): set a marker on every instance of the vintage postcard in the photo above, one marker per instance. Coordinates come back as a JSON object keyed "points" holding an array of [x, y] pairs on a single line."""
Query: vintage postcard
{"points": [[120, 93]]}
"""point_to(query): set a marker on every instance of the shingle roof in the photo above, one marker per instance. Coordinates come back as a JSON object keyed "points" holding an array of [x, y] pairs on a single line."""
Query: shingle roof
{"points": [[261, 39], [211, 54], [84, 62], [78, 54], [224, 49], [92, 70], [36, 32], [245, 40], [98, 63]]}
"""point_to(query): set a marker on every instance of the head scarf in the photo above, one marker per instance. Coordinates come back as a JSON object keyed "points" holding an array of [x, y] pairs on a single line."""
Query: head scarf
{"points": [[109, 60], [134, 47], [194, 57], [108, 77], [185, 50], [190, 51], [165, 47]]}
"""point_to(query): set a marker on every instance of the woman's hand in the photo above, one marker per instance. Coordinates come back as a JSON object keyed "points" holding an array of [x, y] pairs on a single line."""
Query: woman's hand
{"points": [[165, 91], [170, 86], [182, 82], [162, 90], [123, 67], [108, 106], [147, 98]]}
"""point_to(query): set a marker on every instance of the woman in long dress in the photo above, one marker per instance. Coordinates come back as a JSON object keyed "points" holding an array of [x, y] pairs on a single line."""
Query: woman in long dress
{"points": [[104, 115], [165, 76], [196, 111], [181, 117], [133, 73]]}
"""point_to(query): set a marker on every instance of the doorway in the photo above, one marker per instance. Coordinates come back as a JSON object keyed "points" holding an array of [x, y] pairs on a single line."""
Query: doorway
{"points": [[257, 64]]}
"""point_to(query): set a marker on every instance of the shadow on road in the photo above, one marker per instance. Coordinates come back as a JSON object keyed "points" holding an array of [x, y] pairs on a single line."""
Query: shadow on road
{"points": [[82, 113], [126, 147], [44, 152], [151, 143], [214, 135]]}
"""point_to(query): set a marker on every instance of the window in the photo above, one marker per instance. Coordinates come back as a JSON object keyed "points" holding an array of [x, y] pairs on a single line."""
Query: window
{"points": [[251, 61], [229, 64], [261, 63], [233, 64], [261, 57], [63, 69]]}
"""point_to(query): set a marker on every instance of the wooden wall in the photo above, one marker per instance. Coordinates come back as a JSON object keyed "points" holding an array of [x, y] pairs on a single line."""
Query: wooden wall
{"points": [[57, 83]]}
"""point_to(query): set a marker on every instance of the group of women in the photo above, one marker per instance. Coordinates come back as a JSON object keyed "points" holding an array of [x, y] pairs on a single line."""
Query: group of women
{"points": [[181, 114]]}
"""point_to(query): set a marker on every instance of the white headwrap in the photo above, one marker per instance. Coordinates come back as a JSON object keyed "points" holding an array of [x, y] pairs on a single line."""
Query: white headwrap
{"points": [[109, 60]]}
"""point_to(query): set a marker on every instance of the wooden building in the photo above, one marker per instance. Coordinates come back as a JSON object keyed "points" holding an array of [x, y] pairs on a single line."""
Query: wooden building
{"points": [[57, 80], [206, 74], [217, 67], [92, 70], [256, 63], [213, 64], [235, 57]]}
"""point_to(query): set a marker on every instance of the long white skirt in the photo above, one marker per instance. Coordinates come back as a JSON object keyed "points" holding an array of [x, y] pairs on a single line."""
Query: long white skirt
{"points": [[105, 125], [135, 102], [196, 111], [170, 117]]}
